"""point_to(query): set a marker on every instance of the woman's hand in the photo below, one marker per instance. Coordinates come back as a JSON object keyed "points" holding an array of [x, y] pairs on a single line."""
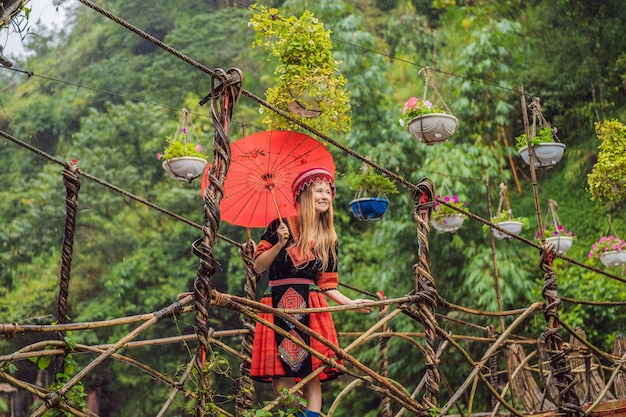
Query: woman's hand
{"points": [[367, 309], [341, 299], [265, 259], [283, 234]]}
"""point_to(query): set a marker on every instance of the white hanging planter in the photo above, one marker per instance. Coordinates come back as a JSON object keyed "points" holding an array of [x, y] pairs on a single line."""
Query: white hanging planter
{"points": [[185, 168], [450, 223], [546, 154], [511, 226], [561, 243], [433, 127], [613, 258]]}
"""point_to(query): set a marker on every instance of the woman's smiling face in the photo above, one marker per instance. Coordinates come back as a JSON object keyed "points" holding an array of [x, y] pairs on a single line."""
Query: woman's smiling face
{"points": [[322, 196]]}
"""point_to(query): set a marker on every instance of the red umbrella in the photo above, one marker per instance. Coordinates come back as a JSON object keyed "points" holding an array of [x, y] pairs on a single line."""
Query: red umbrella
{"points": [[263, 165]]}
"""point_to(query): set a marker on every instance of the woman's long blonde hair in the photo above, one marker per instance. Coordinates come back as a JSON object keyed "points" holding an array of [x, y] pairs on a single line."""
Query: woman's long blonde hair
{"points": [[321, 226]]}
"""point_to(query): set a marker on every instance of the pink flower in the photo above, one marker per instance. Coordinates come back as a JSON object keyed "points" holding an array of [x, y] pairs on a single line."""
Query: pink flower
{"points": [[159, 156], [198, 147], [428, 104], [606, 244], [411, 104], [184, 130]]}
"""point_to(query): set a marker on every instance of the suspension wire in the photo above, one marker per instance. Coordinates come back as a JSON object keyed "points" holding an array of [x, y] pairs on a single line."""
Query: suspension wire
{"points": [[442, 174], [125, 193], [97, 90]]}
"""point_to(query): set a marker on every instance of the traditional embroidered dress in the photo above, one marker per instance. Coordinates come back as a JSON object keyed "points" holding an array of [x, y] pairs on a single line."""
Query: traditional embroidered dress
{"points": [[295, 282]]}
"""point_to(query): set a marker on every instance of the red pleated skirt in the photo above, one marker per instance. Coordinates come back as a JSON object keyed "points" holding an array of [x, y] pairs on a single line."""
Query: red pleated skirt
{"points": [[266, 363]]}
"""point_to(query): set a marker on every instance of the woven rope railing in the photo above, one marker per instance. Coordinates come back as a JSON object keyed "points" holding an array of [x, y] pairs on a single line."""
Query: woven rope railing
{"points": [[223, 98], [245, 397], [385, 402], [72, 185], [564, 379], [424, 284]]}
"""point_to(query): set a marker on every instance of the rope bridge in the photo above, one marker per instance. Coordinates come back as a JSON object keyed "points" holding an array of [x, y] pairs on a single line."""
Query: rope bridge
{"points": [[562, 375]]}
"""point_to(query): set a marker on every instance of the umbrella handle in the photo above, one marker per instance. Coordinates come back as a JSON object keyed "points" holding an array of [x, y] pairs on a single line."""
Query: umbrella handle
{"points": [[280, 217]]}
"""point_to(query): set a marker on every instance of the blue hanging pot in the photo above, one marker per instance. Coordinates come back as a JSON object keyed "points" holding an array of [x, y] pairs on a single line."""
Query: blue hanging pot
{"points": [[369, 208]]}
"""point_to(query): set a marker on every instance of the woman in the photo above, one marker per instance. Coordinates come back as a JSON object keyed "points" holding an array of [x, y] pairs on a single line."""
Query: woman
{"points": [[301, 254]]}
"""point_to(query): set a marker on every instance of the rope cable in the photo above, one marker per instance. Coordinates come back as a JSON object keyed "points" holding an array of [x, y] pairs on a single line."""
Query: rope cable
{"points": [[111, 186]]}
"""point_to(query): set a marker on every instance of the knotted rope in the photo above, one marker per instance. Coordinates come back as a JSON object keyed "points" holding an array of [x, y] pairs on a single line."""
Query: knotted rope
{"points": [[425, 285], [223, 98], [245, 397], [385, 403], [564, 379], [72, 185]]}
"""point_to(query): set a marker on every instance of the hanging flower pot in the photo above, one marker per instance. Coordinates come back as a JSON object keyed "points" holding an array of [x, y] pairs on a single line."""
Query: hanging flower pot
{"points": [[369, 208], [185, 168], [561, 243], [432, 128], [304, 105], [446, 219], [512, 226], [370, 200], [613, 258], [308, 81], [546, 154], [448, 223], [183, 159], [554, 232], [611, 250], [504, 218], [427, 122], [547, 148]]}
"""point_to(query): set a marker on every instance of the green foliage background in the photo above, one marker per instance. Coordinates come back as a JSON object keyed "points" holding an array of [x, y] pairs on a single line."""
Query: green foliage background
{"points": [[108, 98]]}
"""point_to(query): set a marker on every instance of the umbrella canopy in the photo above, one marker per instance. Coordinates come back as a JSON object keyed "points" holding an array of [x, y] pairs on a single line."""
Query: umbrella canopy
{"points": [[263, 167]]}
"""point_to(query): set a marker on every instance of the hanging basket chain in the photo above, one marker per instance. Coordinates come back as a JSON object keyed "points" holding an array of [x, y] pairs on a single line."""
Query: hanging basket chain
{"points": [[428, 81], [540, 120], [611, 230], [552, 207], [504, 199], [186, 126]]}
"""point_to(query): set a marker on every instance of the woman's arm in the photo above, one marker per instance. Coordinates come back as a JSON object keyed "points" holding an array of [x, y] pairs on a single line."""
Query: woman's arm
{"points": [[341, 299], [265, 259]]}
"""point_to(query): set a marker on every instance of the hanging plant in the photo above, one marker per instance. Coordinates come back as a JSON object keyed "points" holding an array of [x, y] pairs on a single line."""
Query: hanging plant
{"points": [[610, 249], [370, 200], [504, 218], [308, 81], [545, 135], [183, 159], [607, 179], [446, 219], [554, 232], [427, 122], [545, 143]]}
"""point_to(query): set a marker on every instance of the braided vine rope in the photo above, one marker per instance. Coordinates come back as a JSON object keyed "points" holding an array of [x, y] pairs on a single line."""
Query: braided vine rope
{"points": [[425, 286], [245, 397], [569, 402], [223, 98], [72, 185], [385, 402]]}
